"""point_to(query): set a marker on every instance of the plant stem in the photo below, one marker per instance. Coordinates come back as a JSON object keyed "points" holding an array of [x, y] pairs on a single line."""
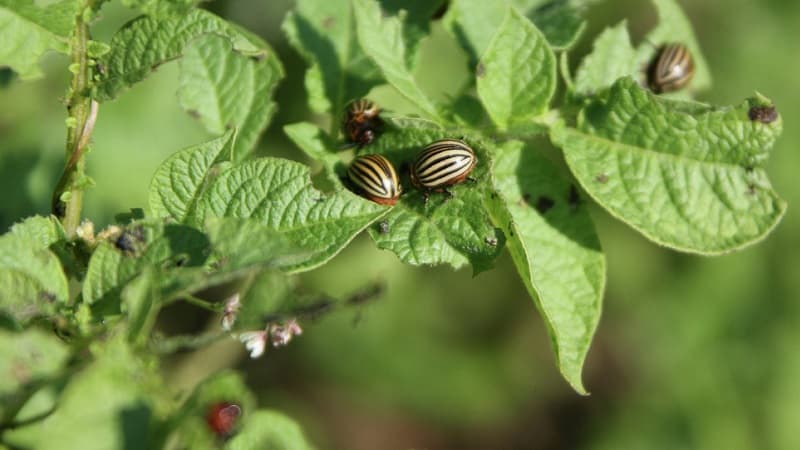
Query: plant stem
{"points": [[68, 195]]}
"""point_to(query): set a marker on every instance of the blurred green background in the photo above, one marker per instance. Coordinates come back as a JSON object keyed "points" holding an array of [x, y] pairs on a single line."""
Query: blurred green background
{"points": [[691, 352]]}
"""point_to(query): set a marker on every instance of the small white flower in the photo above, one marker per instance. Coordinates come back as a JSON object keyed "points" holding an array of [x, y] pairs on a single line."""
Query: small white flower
{"points": [[232, 306], [255, 342], [281, 334]]}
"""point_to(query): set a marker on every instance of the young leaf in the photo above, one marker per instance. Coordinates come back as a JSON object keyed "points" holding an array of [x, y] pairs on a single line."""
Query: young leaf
{"points": [[612, 58], [553, 243], [39, 232], [517, 74], [269, 429], [178, 182], [416, 21], [381, 38], [450, 231], [674, 26], [30, 29], [162, 8], [323, 32], [279, 194], [32, 281], [27, 358], [560, 23], [147, 42], [226, 89], [686, 176]]}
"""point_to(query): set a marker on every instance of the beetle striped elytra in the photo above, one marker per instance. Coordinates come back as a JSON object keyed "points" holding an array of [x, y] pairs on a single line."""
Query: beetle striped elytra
{"points": [[375, 178], [362, 122], [441, 164], [671, 69]]}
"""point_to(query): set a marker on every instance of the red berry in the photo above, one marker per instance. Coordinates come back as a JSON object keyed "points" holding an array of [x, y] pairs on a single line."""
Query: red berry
{"points": [[221, 418]]}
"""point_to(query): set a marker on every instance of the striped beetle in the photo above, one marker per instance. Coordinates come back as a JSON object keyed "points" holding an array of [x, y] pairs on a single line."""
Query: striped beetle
{"points": [[671, 69], [441, 164], [362, 122], [375, 178]]}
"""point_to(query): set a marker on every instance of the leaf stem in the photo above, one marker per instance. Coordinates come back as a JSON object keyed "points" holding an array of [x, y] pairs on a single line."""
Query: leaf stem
{"points": [[68, 194]]}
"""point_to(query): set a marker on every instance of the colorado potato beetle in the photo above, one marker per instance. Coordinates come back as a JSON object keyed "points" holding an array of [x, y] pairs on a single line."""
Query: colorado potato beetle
{"points": [[671, 69], [362, 122], [441, 164], [375, 178]]}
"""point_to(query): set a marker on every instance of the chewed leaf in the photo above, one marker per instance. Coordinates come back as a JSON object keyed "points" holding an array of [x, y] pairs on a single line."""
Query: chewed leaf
{"points": [[147, 42], [555, 249], [278, 194], [685, 175], [450, 231], [29, 30], [225, 89]]}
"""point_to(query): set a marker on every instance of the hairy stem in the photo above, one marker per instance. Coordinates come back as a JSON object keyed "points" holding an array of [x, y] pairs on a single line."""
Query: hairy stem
{"points": [[68, 195]]}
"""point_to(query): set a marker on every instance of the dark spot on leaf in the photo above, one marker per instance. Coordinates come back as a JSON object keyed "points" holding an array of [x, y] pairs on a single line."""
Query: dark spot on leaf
{"points": [[480, 70], [46, 296], [383, 227], [494, 195], [511, 229], [258, 57], [751, 189], [440, 12], [328, 22], [130, 240], [544, 203], [763, 114], [194, 113], [601, 178], [573, 198], [748, 169], [491, 241]]}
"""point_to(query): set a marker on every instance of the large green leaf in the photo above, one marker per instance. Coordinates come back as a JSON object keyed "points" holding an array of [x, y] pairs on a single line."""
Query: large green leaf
{"points": [[555, 249], [444, 231], [226, 89], [674, 26], [269, 430], [278, 193], [162, 8], [686, 175], [178, 182], [517, 73], [147, 42], [30, 29], [381, 38], [324, 32], [612, 58]]}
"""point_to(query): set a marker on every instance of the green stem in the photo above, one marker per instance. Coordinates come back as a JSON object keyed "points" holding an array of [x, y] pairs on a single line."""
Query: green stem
{"points": [[68, 195]]}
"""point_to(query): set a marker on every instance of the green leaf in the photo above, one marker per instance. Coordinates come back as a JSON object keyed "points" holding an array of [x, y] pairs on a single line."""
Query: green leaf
{"points": [[324, 33], [32, 281], [555, 249], [317, 145], [145, 43], [381, 38], [39, 232], [29, 30], [140, 302], [674, 26], [685, 175], [154, 244], [27, 359], [270, 295], [279, 194], [105, 406], [474, 23], [517, 74], [445, 231], [269, 430], [162, 8], [226, 89], [416, 21], [560, 23], [612, 58], [178, 182]]}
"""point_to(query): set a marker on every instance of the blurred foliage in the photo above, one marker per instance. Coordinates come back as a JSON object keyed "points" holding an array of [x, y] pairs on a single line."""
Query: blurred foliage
{"points": [[690, 353]]}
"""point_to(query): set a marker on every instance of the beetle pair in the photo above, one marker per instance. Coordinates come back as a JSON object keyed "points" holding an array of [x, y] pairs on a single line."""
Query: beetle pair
{"points": [[443, 163]]}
